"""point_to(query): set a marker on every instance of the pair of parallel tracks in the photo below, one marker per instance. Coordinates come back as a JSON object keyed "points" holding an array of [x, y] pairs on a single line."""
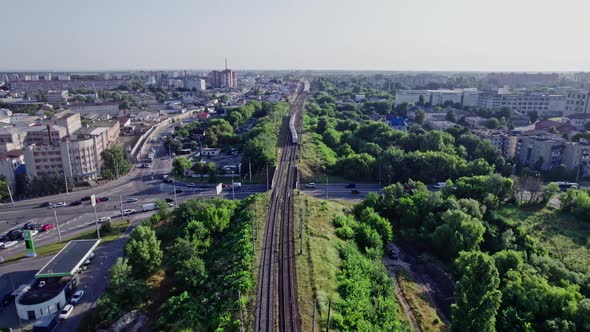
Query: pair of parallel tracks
{"points": [[281, 212]]}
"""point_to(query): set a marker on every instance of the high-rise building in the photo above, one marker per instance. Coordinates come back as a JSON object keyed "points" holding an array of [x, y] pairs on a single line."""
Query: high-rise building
{"points": [[226, 78], [577, 102]]}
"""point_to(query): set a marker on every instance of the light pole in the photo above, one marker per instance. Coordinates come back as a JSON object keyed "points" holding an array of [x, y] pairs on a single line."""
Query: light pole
{"points": [[174, 184], [95, 217], [326, 186], [9, 192], [233, 194], [57, 225]]}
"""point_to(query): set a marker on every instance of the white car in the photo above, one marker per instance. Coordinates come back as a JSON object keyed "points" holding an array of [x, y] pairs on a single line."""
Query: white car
{"points": [[76, 297], [129, 211], [66, 311], [170, 205], [34, 232], [8, 244], [131, 200], [310, 185], [103, 219], [59, 204]]}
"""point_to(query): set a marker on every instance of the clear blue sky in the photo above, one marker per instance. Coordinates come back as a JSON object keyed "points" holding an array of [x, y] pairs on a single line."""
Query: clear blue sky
{"points": [[524, 35]]}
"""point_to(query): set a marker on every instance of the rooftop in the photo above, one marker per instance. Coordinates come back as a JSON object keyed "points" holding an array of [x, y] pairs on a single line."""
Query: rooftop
{"points": [[69, 259], [35, 294]]}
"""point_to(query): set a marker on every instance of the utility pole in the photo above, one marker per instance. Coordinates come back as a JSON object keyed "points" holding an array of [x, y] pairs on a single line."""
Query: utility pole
{"points": [[250, 169], [95, 217], [9, 192], [174, 184], [266, 176], [329, 312], [121, 200], [233, 194], [315, 301], [57, 225], [66, 182]]}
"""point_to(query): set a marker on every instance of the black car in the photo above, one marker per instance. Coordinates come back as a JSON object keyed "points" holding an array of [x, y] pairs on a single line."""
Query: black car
{"points": [[351, 185], [84, 199], [46, 204], [355, 192], [178, 191], [169, 200], [74, 203], [6, 300], [104, 199], [15, 234]]}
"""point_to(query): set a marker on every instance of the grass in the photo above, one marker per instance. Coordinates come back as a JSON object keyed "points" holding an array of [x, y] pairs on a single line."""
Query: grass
{"points": [[261, 207], [419, 303], [118, 228], [320, 262], [561, 235]]}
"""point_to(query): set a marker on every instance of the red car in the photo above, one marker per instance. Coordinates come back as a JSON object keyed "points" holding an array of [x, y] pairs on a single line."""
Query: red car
{"points": [[47, 227]]}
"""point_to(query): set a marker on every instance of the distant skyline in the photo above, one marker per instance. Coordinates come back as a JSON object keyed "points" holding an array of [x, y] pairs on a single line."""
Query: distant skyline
{"points": [[388, 35]]}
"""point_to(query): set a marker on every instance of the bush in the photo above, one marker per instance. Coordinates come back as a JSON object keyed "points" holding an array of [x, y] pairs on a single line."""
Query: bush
{"points": [[106, 227], [345, 232]]}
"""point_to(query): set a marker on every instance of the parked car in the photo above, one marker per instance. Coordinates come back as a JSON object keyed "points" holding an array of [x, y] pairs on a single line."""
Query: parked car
{"points": [[351, 185], [131, 200], [66, 311], [75, 203], [46, 204], [310, 185], [103, 219], [440, 185], [47, 227], [77, 297], [105, 199], [355, 192], [169, 200], [59, 204], [8, 244]]}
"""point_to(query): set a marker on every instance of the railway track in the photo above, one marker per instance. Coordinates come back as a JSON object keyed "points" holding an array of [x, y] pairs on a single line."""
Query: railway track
{"points": [[281, 216]]}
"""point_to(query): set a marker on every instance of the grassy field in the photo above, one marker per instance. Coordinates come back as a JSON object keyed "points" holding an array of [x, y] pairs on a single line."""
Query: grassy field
{"points": [[118, 228], [420, 304], [560, 234], [320, 262]]}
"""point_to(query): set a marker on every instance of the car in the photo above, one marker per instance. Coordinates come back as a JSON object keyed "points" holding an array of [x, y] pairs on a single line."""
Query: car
{"points": [[310, 185], [77, 297], [15, 234], [30, 226], [105, 199], [46, 204], [129, 211], [131, 200], [59, 204], [177, 191], [66, 311], [170, 205], [74, 203], [355, 192], [169, 200], [103, 219], [351, 185], [8, 244], [393, 254], [6, 300], [47, 227], [191, 185], [440, 185], [84, 199], [34, 232]]}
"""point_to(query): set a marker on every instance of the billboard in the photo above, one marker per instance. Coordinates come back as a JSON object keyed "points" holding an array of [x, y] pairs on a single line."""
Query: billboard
{"points": [[218, 188], [29, 245], [93, 200]]}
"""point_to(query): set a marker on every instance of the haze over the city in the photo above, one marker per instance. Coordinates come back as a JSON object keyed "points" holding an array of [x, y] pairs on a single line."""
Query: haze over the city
{"points": [[486, 35]]}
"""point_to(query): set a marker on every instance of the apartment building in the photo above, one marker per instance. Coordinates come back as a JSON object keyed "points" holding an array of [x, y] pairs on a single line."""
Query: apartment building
{"points": [[45, 134], [578, 120], [543, 104], [104, 110], [11, 138], [9, 162], [70, 121], [522, 79], [194, 83], [548, 152], [223, 79], [464, 97], [504, 142], [577, 102], [57, 97]]}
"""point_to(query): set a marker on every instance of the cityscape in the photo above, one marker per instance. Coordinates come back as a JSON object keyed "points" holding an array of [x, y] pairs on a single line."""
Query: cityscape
{"points": [[322, 175]]}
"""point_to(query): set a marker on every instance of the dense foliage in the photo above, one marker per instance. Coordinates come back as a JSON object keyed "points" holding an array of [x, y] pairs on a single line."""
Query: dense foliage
{"points": [[115, 162]]}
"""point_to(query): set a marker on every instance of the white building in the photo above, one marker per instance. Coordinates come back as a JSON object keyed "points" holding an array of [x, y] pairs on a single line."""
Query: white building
{"points": [[578, 120], [102, 109], [194, 83], [577, 102], [464, 97], [543, 104]]}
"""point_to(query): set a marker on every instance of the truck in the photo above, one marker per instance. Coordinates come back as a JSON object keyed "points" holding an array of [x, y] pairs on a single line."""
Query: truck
{"points": [[149, 207]]}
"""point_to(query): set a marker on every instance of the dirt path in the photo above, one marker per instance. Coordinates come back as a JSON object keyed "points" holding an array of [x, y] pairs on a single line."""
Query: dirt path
{"points": [[401, 298]]}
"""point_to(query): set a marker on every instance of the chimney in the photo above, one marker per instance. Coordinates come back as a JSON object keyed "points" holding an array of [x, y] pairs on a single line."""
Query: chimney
{"points": [[49, 134]]}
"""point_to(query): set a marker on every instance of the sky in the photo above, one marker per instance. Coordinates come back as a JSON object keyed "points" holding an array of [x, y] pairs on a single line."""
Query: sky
{"points": [[427, 35]]}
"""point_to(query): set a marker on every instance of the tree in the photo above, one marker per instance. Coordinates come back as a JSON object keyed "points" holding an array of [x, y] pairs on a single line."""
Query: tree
{"points": [[420, 116], [143, 251], [459, 232], [533, 116], [421, 100], [451, 116], [114, 163], [491, 123], [189, 268], [3, 188], [477, 297], [180, 165]]}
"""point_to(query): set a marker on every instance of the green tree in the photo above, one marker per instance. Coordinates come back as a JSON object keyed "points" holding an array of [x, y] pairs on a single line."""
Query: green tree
{"points": [[533, 116], [143, 251], [459, 232], [420, 116], [451, 116], [180, 165], [477, 297], [189, 268], [114, 162]]}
